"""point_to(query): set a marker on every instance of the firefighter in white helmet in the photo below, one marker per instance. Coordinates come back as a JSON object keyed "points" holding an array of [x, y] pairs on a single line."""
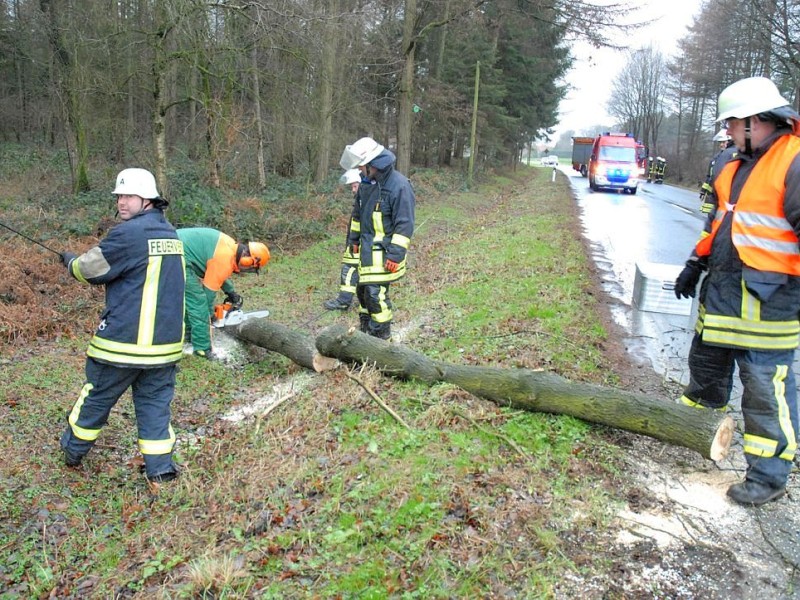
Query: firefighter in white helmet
{"points": [[348, 276], [381, 228], [140, 336], [725, 146], [750, 296]]}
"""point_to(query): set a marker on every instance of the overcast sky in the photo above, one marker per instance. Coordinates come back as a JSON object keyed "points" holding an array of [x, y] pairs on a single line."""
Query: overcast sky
{"points": [[585, 104]]}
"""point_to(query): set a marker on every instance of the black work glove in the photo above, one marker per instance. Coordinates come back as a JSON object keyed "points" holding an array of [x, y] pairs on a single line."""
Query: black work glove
{"points": [[686, 283], [235, 300], [66, 257]]}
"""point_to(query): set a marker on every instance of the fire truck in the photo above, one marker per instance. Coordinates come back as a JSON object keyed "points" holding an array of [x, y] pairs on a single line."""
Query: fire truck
{"points": [[613, 163]]}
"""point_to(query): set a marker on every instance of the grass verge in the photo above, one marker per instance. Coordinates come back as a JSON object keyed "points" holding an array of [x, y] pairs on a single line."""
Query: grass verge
{"points": [[327, 496]]}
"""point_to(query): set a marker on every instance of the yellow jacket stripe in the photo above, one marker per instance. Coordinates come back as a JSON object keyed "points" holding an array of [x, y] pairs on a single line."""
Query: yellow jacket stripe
{"points": [[147, 314], [116, 352]]}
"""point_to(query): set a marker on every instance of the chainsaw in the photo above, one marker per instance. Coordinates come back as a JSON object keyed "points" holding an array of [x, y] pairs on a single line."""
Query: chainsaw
{"points": [[225, 315]]}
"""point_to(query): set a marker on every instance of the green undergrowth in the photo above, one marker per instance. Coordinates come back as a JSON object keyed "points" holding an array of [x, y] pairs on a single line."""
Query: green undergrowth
{"points": [[327, 495]]}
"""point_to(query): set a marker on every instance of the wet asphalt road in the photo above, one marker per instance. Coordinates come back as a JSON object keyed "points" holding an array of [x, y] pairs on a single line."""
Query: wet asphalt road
{"points": [[655, 229]]}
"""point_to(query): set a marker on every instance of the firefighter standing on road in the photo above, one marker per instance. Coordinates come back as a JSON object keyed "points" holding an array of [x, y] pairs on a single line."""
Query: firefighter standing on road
{"points": [[348, 277], [140, 337], [380, 230], [211, 258], [750, 298], [725, 143], [660, 169]]}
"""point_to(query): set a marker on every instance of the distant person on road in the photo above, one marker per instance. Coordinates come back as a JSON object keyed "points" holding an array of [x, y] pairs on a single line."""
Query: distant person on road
{"points": [[348, 276], [140, 336], [750, 297], [211, 258], [380, 230], [660, 169], [725, 143]]}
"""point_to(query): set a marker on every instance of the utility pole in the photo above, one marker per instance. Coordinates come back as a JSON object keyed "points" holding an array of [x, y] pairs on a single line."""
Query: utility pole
{"points": [[474, 124]]}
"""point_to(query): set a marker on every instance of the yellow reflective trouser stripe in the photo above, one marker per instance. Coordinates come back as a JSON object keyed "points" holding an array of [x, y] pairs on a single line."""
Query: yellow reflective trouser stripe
{"points": [[348, 285], [147, 313], [386, 313], [689, 402], [784, 417], [759, 446], [355, 226], [88, 435], [158, 446]]}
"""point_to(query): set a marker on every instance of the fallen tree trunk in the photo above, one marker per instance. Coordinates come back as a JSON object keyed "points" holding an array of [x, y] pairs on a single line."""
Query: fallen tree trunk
{"points": [[299, 347], [704, 431]]}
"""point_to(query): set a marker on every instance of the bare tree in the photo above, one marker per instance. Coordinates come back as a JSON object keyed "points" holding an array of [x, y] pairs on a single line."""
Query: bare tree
{"points": [[638, 95]]}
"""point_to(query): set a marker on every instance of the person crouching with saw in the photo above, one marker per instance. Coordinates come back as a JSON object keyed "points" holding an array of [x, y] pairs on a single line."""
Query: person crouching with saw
{"points": [[211, 258]]}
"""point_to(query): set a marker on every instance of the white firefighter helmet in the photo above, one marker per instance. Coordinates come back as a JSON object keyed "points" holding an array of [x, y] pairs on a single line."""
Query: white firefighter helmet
{"points": [[350, 176], [136, 182], [747, 97], [360, 153], [721, 136]]}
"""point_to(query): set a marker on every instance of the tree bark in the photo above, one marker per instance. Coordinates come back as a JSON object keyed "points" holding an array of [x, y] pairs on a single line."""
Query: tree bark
{"points": [[406, 89], [273, 336], [707, 432]]}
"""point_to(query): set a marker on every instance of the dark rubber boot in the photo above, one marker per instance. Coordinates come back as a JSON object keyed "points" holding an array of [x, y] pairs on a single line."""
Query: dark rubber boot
{"points": [[337, 303], [72, 460], [363, 323], [381, 331], [163, 477], [751, 493]]}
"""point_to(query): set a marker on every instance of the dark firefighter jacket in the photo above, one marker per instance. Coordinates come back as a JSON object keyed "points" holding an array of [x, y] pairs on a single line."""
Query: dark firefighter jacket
{"points": [[383, 222], [714, 166], [140, 262], [751, 296]]}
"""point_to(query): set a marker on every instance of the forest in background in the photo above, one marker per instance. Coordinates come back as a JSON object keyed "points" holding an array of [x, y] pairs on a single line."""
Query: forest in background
{"points": [[245, 91], [279, 87]]}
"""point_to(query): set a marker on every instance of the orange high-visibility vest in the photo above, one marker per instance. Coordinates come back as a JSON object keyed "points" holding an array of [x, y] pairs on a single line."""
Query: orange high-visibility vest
{"points": [[762, 235]]}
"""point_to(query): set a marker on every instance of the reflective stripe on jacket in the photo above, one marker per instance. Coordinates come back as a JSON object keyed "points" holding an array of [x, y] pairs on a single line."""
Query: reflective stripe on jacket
{"points": [[140, 262], [745, 301], [382, 224], [763, 237]]}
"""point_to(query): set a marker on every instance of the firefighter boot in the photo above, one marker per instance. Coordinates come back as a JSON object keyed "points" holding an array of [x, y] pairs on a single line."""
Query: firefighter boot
{"points": [[70, 459], [341, 302], [752, 493], [363, 323], [381, 331]]}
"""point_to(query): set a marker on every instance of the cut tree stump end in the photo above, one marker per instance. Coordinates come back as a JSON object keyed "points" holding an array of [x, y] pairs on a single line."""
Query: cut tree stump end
{"points": [[721, 443]]}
